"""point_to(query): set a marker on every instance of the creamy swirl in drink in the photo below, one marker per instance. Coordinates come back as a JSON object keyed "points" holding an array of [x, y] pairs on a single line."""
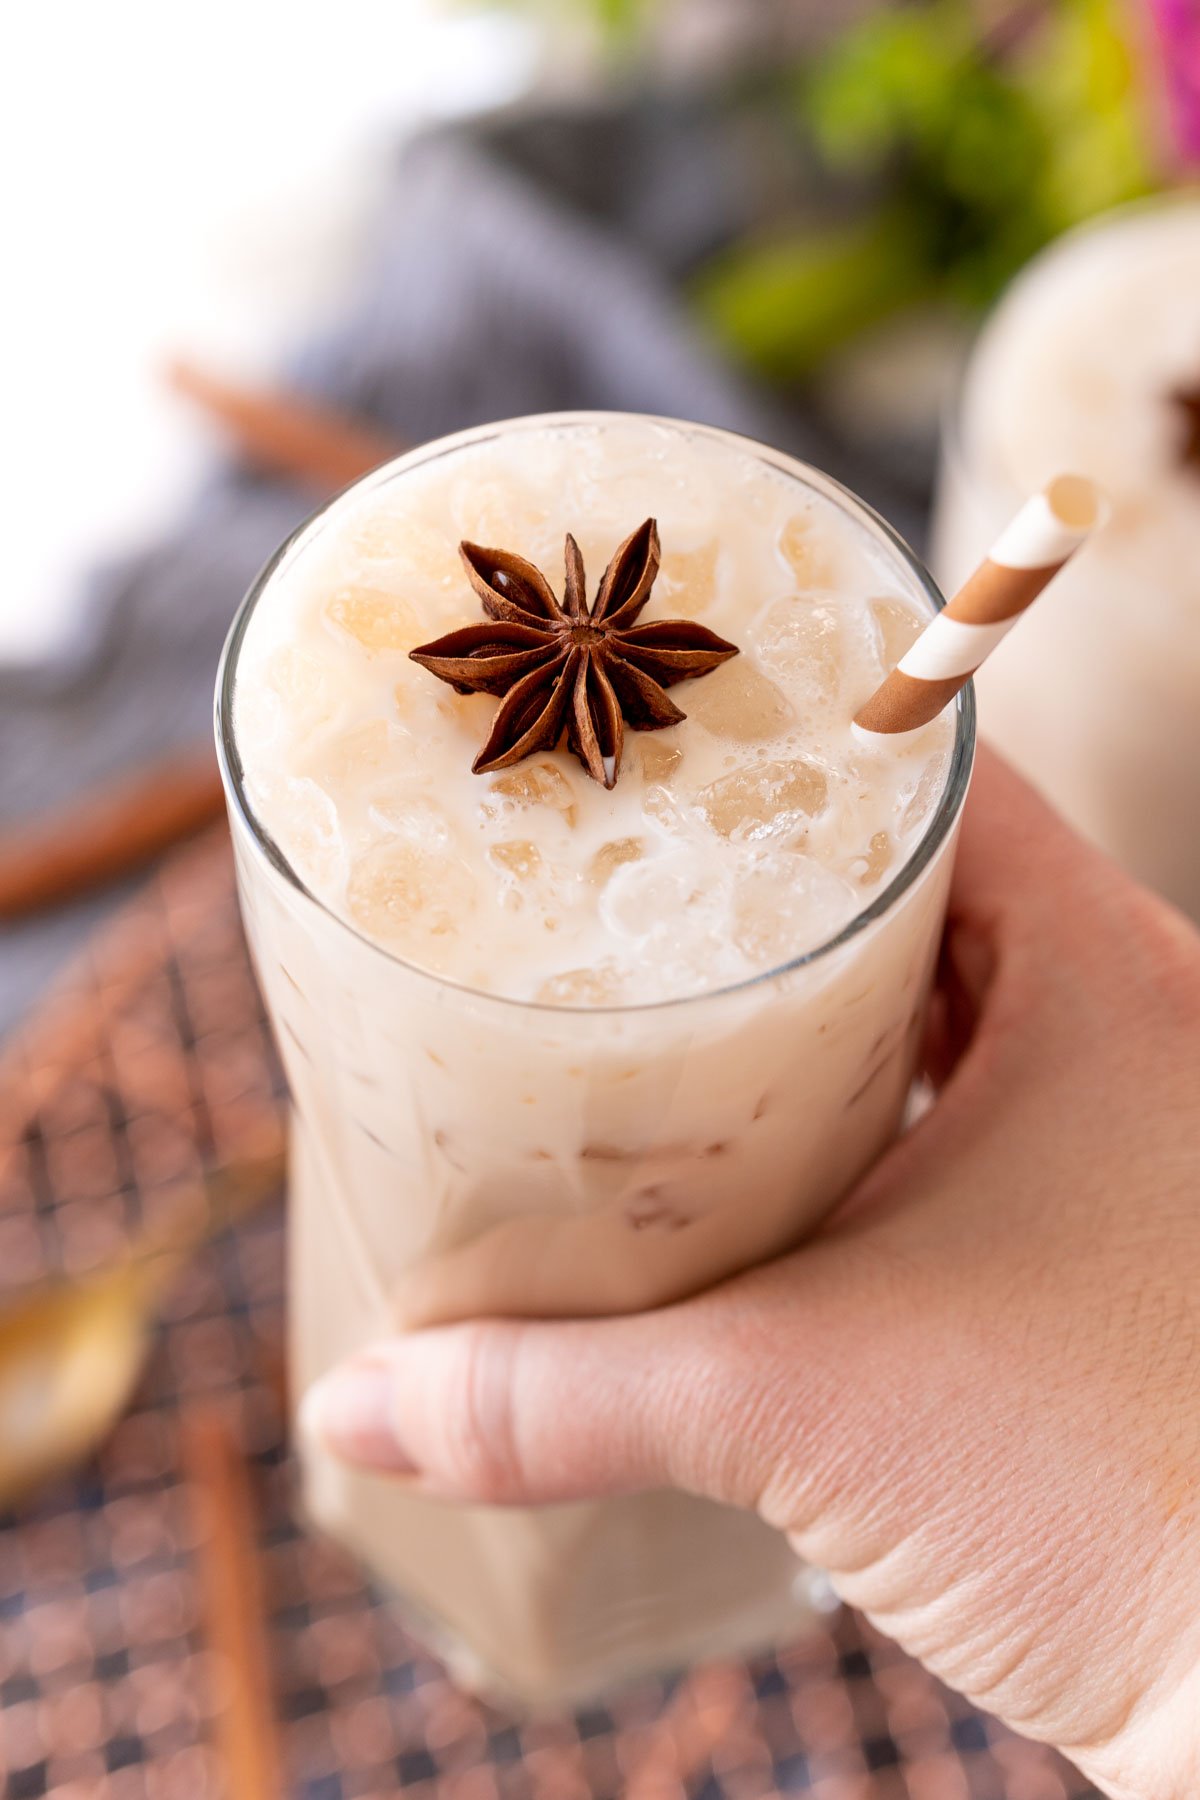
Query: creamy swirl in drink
{"points": [[556, 1048]]}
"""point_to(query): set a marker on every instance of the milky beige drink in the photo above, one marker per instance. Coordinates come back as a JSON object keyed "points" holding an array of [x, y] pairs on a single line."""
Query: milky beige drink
{"points": [[1089, 363], [559, 1048]]}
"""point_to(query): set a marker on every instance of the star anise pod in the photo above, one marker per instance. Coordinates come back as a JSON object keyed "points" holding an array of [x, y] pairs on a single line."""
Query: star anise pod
{"points": [[565, 667], [1188, 402]]}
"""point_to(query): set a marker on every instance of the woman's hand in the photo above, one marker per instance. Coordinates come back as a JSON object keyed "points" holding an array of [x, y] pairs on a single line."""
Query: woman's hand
{"points": [[975, 1397]]}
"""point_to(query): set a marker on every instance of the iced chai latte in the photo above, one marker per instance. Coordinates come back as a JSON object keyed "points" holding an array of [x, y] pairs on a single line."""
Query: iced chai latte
{"points": [[1092, 361], [621, 1014]]}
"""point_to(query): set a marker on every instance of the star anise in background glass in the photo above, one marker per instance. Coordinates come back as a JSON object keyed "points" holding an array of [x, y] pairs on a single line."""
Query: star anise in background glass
{"points": [[1187, 401], [563, 667]]}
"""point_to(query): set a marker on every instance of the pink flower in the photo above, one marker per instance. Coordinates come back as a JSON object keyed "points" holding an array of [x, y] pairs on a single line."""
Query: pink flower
{"points": [[1177, 23]]}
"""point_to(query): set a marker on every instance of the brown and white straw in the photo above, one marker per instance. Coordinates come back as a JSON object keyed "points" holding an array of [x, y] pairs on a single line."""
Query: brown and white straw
{"points": [[1027, 555]]}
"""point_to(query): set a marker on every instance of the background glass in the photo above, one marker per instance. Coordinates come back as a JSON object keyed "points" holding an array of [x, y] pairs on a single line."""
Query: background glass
{"points": [[1097, 698]]}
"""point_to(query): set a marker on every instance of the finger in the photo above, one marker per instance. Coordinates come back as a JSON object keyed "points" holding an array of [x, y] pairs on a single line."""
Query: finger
{"points": [[1026, 897], [1021, 881], [703, 1396], [965, 968], [1057, 915], [1008, 841]]}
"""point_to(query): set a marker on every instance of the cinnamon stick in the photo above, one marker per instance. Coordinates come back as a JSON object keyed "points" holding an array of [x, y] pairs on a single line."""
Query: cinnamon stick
{"points": [[231, 1589], [117, 828], [108, 832], [284, 434]]}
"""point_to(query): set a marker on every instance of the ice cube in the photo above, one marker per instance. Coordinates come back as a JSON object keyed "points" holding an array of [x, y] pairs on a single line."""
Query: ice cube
{"points": [[402, 891], [662, 899], [374, 618], [259, 715], [925, 794], [529, 879], [870, 868], [787, 906], [539, 783], [379, 535], [801, 640], [737, 701], [766, 800], [807, 551], [305, 823], [687, 583], [612, 856], [897, 626], [505, 512], [517, 858], [878, 859], [665, 808], [398, 805], [660, 755], [306, 689], [416, 550], [601, 984], [409, 696], [351, 758]]}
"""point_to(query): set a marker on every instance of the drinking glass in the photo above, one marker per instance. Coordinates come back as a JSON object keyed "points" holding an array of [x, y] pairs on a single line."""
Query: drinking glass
{"points": [[454, 1154]]}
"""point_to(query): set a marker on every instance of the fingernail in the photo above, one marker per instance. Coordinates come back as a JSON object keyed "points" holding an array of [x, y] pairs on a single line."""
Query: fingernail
{"points": [[350, 1412]]}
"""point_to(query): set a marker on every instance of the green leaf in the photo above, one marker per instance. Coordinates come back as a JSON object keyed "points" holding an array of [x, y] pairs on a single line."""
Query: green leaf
{"points": [[890, 80], [619, 24], [785, 305], [1085, 87]]}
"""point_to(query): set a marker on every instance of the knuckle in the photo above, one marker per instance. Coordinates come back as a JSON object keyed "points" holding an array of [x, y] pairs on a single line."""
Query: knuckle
{"points": [[478, 1443]]}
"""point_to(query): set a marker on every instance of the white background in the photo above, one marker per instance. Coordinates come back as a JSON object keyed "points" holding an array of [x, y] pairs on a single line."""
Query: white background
{"points": [[183, 178]]}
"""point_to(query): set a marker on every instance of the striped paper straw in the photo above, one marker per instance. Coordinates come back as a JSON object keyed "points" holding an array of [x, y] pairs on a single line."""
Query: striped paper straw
{"points": [[1026, 556]]}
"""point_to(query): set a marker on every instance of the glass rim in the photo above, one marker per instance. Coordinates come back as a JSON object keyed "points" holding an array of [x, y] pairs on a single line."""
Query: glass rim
{"points": [[941, 821]]}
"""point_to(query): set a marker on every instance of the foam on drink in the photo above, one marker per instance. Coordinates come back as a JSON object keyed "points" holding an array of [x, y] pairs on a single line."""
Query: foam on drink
{"points": [[732, 843]]}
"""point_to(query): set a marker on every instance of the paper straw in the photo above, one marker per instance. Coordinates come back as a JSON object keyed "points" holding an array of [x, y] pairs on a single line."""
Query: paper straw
{"points": [[1026, 556]]}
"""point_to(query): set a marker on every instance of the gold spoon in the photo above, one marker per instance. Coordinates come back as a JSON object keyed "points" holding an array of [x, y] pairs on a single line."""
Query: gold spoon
{"points": [[72, 1350]]}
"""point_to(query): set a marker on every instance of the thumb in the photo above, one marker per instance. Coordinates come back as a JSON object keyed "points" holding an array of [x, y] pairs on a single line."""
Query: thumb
{"points": [[712, 1395]]}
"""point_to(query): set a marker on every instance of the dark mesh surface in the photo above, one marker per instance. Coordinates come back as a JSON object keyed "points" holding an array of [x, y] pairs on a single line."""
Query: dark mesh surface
{"points": [[151, 1061]]}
